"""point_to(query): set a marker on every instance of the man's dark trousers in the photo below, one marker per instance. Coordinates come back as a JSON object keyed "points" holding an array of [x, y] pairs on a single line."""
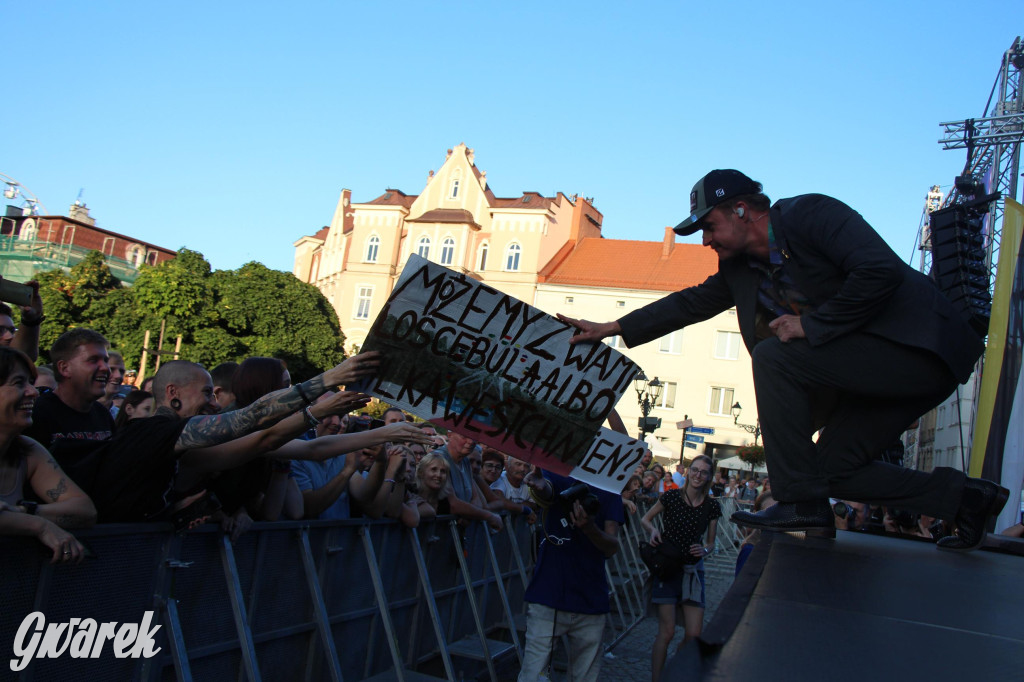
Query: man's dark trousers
{"points": [[881, 387]]}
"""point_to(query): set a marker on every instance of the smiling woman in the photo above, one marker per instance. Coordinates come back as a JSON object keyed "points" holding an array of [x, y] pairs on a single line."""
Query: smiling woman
{"points": [[28, 471]]}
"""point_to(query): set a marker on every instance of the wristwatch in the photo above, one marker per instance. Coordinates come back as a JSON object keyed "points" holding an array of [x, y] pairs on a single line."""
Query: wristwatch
{"points": [[29, 506]]}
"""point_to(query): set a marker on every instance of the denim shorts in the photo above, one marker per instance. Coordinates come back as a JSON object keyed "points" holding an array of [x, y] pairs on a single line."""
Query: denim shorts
{"points": [[672, 591]]}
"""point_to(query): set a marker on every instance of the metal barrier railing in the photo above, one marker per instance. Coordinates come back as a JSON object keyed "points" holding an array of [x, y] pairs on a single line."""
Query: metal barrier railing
{"points": [[339, 600]]}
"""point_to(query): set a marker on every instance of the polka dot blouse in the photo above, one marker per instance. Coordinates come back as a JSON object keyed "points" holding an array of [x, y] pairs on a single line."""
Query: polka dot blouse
{"points": [[686, 525]]}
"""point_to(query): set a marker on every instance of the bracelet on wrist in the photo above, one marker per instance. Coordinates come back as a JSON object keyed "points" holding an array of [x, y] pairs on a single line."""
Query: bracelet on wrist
{"points": [[303, 395], [310, 419]]}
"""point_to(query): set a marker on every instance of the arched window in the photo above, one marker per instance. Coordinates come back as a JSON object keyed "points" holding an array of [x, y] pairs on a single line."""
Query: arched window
{"points": [[29, 230], [447, 251], [512, 256], [481, 261], [372, 248], [135, 255], [423, 247]]}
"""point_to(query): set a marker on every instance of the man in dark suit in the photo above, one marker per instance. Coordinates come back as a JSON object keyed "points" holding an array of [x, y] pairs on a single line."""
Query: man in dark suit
{"points": [[844, 337]]}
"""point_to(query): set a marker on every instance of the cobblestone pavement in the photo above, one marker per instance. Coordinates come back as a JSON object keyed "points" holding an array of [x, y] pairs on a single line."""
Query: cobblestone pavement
{"points": [[630, 660]]}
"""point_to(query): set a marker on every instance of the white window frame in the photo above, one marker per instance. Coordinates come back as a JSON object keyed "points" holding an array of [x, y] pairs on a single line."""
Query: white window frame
{"points": [[372, 251], [672, 343], [481, 257], [364, 302], [453, 188], [663, 400], [447, 251], [733, 341], [423, 247], [724, 406], [513, 254]]}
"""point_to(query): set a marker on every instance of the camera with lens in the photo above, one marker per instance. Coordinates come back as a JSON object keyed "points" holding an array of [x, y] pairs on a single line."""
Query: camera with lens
{"points": [[581, 492]]}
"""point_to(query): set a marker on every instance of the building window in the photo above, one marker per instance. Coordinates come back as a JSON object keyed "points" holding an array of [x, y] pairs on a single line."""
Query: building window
{"points": [[727, 345], [135, 255], [372, 249], [423, 247], [447, 251], [363, 300], [673, 343], [568, 300], [721, 401], [512, 257], [940, 420], [615, 342], [482, 260], [668, 395], [453, 193], [620, 304]]}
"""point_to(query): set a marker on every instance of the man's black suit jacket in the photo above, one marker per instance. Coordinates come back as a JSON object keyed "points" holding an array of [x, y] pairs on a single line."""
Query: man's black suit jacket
{"points": [[854, 281]]}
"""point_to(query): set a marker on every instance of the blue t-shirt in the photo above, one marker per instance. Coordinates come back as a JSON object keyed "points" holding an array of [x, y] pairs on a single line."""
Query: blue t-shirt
{"points": [[570, 576], [311, 475]]}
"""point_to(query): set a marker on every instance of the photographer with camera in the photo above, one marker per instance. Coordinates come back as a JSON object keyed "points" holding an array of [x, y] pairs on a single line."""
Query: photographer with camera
{"points": [[689, 515], [568, 594]]}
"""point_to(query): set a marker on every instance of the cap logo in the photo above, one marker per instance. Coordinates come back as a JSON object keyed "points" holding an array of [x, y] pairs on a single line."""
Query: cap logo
{"points": [[719, 193], [693, 201]]}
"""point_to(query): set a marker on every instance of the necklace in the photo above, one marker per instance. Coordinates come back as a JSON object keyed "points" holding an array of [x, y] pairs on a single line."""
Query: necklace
{"points": [[686, 495]]}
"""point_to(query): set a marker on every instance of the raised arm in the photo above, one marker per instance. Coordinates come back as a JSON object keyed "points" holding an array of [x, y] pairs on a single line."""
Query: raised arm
{"points": [[268, 441], [204, 431]]}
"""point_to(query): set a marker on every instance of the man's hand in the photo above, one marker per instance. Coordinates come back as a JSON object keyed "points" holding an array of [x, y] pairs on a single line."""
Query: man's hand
{"points": [[787, 328], [535, 479], [31, 313], [339, 403], [579, 516], [590, 332], [356, 367], [404, 432]]}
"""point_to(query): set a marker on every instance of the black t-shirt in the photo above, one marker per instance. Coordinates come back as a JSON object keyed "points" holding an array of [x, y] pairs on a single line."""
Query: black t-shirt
{"points": [[71, 436], [686, 525], [136, 469]]}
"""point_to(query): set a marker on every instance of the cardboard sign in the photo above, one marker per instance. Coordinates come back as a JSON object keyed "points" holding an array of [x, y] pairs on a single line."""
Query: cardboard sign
{"points": [[474, 360]]}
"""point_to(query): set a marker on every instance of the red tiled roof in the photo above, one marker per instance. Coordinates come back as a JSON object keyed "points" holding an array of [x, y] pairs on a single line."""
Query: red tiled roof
{"points": [[393, 197], [322, 233], [445, 215], [528, 200], [633, 265]]}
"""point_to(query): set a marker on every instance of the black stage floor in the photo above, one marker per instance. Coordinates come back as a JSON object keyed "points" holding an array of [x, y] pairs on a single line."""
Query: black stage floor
{"points": [[865, 608]]}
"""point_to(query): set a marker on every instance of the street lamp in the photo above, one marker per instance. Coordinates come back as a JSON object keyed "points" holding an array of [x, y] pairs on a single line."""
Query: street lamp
{"points": [[648, 393], [755, 429]]}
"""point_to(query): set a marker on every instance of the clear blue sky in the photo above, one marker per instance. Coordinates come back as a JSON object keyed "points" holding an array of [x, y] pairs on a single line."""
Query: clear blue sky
{"points": [[230, 128]]}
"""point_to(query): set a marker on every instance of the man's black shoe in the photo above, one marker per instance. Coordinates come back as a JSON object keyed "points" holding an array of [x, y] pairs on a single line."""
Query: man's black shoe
{"points": [[980, 500], [815, 517]]}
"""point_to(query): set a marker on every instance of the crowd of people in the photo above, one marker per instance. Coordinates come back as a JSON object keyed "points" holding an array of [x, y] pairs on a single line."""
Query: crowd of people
{"points": [[81, 443]]}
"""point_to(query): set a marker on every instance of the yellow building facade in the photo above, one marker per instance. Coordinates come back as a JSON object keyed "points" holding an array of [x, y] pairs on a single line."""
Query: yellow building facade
{"points": [[547, 251]]}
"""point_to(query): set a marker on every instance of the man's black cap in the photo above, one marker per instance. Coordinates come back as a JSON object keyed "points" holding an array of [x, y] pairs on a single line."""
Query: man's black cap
{"points": [[711, 190]]}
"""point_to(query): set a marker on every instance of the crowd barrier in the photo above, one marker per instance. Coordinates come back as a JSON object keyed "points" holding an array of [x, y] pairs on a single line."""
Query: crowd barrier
{"points": [[342, 600]]}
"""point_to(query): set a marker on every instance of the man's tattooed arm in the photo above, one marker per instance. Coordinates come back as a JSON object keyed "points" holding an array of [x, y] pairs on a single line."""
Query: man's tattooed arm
{"points": [[204, 431]]}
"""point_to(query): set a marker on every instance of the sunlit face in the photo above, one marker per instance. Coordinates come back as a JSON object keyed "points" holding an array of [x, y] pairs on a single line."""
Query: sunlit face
{"points": [[6, 330], [196, 396], [17, 398], [116, 366], [140, 411], [86, 373], [435, 475], [725, 233]]}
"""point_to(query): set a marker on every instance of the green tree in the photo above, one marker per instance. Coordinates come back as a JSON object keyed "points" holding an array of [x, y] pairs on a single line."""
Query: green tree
{"points": [[220, 315], [76, 298], [277, 315]]}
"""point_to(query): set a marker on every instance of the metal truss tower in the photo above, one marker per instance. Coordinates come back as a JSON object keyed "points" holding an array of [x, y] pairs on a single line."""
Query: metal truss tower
{"points": [[993, 144]]}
